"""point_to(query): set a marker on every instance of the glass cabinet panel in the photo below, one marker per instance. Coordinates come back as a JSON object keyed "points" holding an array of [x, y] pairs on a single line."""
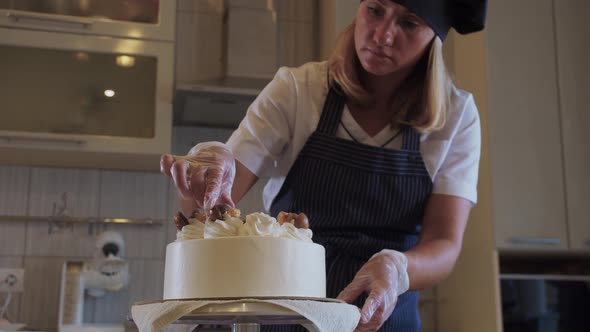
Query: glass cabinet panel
{"points": [[77, 92], [138, 19], [140, 11]]}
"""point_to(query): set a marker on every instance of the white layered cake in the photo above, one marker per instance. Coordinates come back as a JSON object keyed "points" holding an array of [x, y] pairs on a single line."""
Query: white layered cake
{"points": [[230, 258]]}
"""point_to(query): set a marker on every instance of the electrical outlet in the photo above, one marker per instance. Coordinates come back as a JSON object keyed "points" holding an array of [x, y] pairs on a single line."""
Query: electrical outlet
{"points": [[11, 280]]}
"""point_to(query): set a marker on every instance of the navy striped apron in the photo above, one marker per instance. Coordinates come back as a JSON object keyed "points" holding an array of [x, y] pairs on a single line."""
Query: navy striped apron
{"points": [[360, 199]]}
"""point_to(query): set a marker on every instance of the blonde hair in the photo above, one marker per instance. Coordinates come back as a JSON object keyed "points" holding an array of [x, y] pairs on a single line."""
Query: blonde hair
{"points": [[421, 101]]}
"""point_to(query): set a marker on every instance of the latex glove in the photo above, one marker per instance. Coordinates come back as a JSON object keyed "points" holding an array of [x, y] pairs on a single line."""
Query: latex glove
{"points": [[384, 277], [205, 175]]}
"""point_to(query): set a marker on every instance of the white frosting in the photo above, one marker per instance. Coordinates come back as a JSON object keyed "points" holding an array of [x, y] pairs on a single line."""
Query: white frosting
{"points": [[260, 224], [222, 228], [243, 267], [289, 231], [193, 231], [257, 224]]}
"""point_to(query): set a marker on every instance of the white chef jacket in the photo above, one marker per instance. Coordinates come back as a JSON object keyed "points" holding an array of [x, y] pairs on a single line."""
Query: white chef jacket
{"points": [[287, 112]]}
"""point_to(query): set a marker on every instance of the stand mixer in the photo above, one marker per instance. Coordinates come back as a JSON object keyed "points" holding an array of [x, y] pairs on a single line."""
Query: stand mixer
{"points": [[105, 272]]}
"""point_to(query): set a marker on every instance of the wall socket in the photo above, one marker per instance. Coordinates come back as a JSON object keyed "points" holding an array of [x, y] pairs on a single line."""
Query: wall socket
{"points": [[11, 280]]}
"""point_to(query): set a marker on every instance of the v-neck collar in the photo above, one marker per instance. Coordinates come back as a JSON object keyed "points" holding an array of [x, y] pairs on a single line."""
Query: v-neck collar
{"points": [[361, 135]]}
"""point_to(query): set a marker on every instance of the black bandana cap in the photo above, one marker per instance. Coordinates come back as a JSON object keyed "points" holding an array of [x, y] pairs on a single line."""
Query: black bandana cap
{"points": [[465, 16]]}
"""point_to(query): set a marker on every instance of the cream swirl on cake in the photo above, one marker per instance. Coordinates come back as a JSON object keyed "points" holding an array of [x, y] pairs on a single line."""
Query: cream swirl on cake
{"points": [[260, 224], [289, 231], [222, 228], [193, 231], [230, 225]]}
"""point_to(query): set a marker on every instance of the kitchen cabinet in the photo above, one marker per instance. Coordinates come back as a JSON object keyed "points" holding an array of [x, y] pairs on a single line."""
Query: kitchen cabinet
{"points": [[84, 102], [538, 86], [139, 19], [573, 52], [525, 135], [246, 41], [90, 83]]}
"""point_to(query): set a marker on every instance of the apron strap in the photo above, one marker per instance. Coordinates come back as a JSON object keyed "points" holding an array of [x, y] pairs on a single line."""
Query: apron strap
{"points": [[332, 112]]}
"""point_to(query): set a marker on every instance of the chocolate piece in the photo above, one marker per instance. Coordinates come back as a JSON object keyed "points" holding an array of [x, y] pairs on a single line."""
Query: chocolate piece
{"points": [[199, 214], [217, 212], [180, 220], [301, 221], [233, 212], [284, 217]]}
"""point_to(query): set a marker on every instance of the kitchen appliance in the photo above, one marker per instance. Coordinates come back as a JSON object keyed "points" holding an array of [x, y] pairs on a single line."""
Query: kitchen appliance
{"points": [[107, 271], [545, 295]]}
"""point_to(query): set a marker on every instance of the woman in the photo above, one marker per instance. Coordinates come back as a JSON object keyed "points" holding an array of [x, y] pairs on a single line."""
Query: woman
{"points": [[376, 146]]}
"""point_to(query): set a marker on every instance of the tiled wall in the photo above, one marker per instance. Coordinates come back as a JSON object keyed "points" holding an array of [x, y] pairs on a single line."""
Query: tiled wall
{"points": [[27, 191], [91, 193]]}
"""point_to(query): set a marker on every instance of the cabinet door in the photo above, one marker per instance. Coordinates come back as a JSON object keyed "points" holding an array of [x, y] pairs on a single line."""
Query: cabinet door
{"points": [[72, 101], [573, 53], [525, 142], [153, 19]]}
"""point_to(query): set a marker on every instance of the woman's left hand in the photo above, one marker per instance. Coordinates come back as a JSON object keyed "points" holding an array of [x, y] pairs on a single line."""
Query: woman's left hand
{"points": [[384, 277]]}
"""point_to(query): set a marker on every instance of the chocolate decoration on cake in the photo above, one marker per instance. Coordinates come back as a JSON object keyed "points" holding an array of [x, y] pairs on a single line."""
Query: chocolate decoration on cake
{"points": [[217, 212], [298, 219], [180, 220], [199, 214], [301, 221]]}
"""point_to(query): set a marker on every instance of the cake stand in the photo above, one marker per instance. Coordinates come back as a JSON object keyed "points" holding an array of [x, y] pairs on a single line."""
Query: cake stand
{"points": [[243, 316]]}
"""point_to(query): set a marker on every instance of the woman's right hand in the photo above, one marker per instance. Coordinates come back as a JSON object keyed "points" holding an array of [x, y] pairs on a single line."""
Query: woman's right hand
{"points": [[205, 175]]}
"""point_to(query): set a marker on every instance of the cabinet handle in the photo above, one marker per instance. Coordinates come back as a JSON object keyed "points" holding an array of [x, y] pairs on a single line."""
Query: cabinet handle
{"points": [[49, 18], [535, 240], [24, 139]]}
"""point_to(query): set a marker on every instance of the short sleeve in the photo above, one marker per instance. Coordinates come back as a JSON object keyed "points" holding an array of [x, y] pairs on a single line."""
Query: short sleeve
{"points": [[458, 173], [267, 128]]}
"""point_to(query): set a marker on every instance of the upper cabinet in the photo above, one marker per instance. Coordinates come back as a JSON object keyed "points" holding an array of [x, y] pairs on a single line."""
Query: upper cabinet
{"points": [[246, 41], [573, 52], [88, 83], [538, 110], [84, 102], [227, 51], [142, 19]]}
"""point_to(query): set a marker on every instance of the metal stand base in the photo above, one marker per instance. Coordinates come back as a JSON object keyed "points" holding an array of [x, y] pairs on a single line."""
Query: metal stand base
{"points": [[243, 316], [245, 327]]}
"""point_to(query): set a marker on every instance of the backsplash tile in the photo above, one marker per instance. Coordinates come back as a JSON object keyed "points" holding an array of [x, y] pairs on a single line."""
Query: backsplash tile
{"points": [[133, 195], [12, 238], [14, 190], [136, 195], [146, 284], [48, 186], [111, 308], [71, 192], [147, 280], [173, 207], [13, 312]]}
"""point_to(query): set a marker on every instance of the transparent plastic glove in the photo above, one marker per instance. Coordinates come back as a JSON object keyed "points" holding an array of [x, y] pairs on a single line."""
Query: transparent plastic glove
{"points": [[384, 277], [206, 174]]}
